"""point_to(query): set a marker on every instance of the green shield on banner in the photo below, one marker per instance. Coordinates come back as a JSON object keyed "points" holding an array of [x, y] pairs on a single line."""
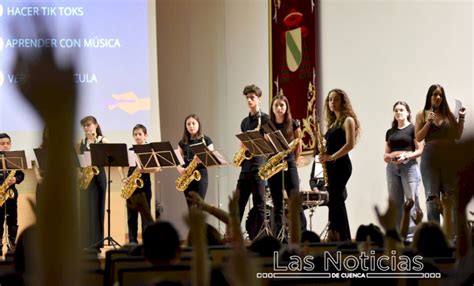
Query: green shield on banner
{"points": [[293, 49]]}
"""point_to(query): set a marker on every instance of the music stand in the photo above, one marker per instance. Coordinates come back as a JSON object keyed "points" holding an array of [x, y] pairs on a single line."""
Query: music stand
{"points": [[41, 157], [255, 143], [276, 138], [156, 154], [210, 159], [108, 155], [9, 161], [280, 144], [258, 146]]}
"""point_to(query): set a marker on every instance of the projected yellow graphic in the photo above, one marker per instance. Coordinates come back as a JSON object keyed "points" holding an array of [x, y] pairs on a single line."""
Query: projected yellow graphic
{"points": [[130, 102]]}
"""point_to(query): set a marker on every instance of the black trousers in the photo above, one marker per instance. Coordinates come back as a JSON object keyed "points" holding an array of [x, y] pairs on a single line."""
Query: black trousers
{"points": [[138, 203], [339, 173], [9, 210], [199, 187], [292, 186], [250, 183], [92, 210]]}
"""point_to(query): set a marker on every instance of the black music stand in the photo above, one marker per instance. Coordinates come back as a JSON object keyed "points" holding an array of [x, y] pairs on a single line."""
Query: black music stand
{"points": [[108, 155], [41, 157], [258, 146], [275, 137], [9, 161], [280, 144], [210, 159], [256, 143], [156, 154], [13, 160]]}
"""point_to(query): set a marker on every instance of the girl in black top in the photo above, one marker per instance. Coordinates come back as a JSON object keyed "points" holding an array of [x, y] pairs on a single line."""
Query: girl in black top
{"points": [[401, 151], [282, 119], [341, 135], [437, 125], [192, 135], [92, 200]]}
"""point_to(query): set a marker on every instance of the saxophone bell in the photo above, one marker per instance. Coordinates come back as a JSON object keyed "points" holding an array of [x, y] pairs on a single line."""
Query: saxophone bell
{"points": [[131, 184], [5, 191], [241, 155], [87, 175], [139, 182], [190, 174]]}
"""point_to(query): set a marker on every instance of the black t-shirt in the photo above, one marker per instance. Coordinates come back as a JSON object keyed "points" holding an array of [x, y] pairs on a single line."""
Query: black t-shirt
{"points": [[188, 154], [280, 126], [401, 139], [250, 123]]}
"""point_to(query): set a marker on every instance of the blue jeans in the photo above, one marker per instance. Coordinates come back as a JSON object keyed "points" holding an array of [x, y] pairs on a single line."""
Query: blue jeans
{"points": [[403, 181], [437, 179]]}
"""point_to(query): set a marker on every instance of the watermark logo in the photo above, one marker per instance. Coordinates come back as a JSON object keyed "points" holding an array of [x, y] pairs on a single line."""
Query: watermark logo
{"points": [[340, 265]]}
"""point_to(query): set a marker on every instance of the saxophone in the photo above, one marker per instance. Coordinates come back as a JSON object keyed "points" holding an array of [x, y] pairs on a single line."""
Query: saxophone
{"points": [[133, 182], [241, 155], [5, 192], [322, 150], [190, 174], [277, 163], [87, 175]]}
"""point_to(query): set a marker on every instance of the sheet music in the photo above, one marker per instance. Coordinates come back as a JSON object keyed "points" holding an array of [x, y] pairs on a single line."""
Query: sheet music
{"points": [[84, 159], [132, 159], [457, 107], [318, 168], [178, 155]]}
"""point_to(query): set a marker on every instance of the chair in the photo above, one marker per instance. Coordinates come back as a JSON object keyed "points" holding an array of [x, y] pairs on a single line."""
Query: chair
{"points": [[147, 275], [127, 262], [109, 257]]}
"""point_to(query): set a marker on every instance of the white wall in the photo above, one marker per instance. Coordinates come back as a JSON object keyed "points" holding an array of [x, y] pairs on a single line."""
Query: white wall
{"points": [[378, 51]]}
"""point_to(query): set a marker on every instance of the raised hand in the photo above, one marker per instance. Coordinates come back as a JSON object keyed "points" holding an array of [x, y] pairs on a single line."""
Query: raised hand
{"points": [[418, 216], [408, 205], [388, 220], [200, 265], [195, 199]]}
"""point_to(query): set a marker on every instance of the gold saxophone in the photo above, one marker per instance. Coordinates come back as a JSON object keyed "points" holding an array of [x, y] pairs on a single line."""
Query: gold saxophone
{"points": [[277, 163], [87, 175], [5, 191], [133, 182], [322, 150], [241, 155], [190, 174]]}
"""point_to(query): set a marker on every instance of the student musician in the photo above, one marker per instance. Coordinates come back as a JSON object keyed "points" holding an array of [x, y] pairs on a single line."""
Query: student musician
{"points": [[249, 181], [140, 201], [341, 135], [193, 134], [290, 128], [92, 200], [9, 210]]}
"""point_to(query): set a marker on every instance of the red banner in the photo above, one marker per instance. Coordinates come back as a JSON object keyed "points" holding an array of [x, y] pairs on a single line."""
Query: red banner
{"points": [[295, 61]]}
